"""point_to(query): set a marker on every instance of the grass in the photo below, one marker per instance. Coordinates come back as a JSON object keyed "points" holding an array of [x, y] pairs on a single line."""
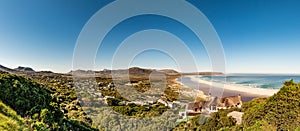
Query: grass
{"points": [[10, 120]]}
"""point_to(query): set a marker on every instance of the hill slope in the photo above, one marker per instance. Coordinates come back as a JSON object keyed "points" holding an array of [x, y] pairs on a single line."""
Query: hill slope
{"points": [[35, 103], [281, 111], [26, 69], [10, 120]]}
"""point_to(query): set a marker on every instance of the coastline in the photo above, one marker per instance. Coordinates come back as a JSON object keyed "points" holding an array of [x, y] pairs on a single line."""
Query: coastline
{"points": [[186, 92], [247, 93]]}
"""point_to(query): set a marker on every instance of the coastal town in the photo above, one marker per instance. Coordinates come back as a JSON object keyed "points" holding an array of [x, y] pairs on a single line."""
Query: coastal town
{"points": [[186, 110]]}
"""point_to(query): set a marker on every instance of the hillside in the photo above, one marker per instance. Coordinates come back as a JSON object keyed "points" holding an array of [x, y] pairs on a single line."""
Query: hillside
{"points": [[48, 101], [281, 111], [3, 68], [25, 69], [10, 120], [35, 103]]}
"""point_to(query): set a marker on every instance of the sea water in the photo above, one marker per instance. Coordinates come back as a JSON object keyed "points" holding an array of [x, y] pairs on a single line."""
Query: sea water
{"points": [[266, 81]]}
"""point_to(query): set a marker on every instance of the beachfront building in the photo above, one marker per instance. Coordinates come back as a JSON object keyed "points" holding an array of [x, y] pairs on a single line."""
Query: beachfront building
{"points": [[108, 97], [213, 104], [231, 101], [191, 110], [171, 105]]}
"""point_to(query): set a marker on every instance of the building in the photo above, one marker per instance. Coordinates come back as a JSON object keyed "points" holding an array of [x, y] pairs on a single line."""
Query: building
{"points": [[232, 101], [213, 104]]}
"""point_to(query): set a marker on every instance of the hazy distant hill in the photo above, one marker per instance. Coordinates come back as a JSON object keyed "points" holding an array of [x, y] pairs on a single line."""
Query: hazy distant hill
{"points": [[26, 69], [3, 68], [169, 71], [136, 71], [132, 71], [19, 69]]}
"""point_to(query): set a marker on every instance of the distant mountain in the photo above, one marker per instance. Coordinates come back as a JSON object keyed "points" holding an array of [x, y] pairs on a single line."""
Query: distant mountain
{"points": [[169, 71], [20, 69], [132, 71], [3, 68], [26, 69], [140, 71], [81, 72]]}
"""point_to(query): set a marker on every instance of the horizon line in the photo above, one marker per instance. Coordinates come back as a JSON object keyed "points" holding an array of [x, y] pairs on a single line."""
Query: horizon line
{"points": [[225, 73]]}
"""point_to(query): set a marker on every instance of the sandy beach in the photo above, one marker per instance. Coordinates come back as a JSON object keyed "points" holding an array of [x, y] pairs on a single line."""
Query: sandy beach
{"points": [[247, 93]]}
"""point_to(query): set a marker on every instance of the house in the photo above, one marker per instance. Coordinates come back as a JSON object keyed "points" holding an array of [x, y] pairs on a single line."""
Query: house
{"points": [[100, 84], [171, 105], [195, 106], [111, 85], [183, 116], [213, 104], [150, 102], [162, 102], [182, 113], [193, 109], [108, 97], [141, 103], [128, 84], [98, 94], [232, 101]]}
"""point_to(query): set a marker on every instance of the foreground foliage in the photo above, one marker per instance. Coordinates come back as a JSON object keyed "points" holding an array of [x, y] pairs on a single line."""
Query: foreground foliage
{"points": [[10, 120], [37, 105], [281, 111]]}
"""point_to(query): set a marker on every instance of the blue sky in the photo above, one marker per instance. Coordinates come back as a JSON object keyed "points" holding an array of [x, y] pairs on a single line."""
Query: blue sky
{"points": [[258, 36]]}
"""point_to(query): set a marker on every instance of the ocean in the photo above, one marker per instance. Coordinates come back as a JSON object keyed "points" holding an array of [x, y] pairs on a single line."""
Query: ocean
{"points": [[266, 81]]}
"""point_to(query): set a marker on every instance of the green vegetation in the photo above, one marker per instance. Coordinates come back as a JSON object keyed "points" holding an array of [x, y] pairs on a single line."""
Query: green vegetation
{"points": [[49, 102], [107, 119], [146, 111], [281, 111], [217, 121], [39, 106], [10, 120]]}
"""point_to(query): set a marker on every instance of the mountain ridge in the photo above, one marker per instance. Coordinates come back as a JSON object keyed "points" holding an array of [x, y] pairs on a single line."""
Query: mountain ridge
{"points": [[131, 70]]}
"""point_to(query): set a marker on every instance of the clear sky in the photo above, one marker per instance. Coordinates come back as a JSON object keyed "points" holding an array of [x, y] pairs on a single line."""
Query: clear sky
{"points": [[258, 36]]}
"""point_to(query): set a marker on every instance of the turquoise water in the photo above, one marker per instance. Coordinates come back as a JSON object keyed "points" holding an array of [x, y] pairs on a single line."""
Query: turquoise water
{"points": [[268, 81]]}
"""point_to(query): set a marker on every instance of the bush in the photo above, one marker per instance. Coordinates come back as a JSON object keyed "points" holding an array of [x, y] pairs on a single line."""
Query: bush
{"points": [[281, 111]]}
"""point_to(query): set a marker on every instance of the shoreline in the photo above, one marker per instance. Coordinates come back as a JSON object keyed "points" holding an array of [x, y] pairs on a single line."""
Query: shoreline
{"points": [[187, 92], [247, 93]]}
